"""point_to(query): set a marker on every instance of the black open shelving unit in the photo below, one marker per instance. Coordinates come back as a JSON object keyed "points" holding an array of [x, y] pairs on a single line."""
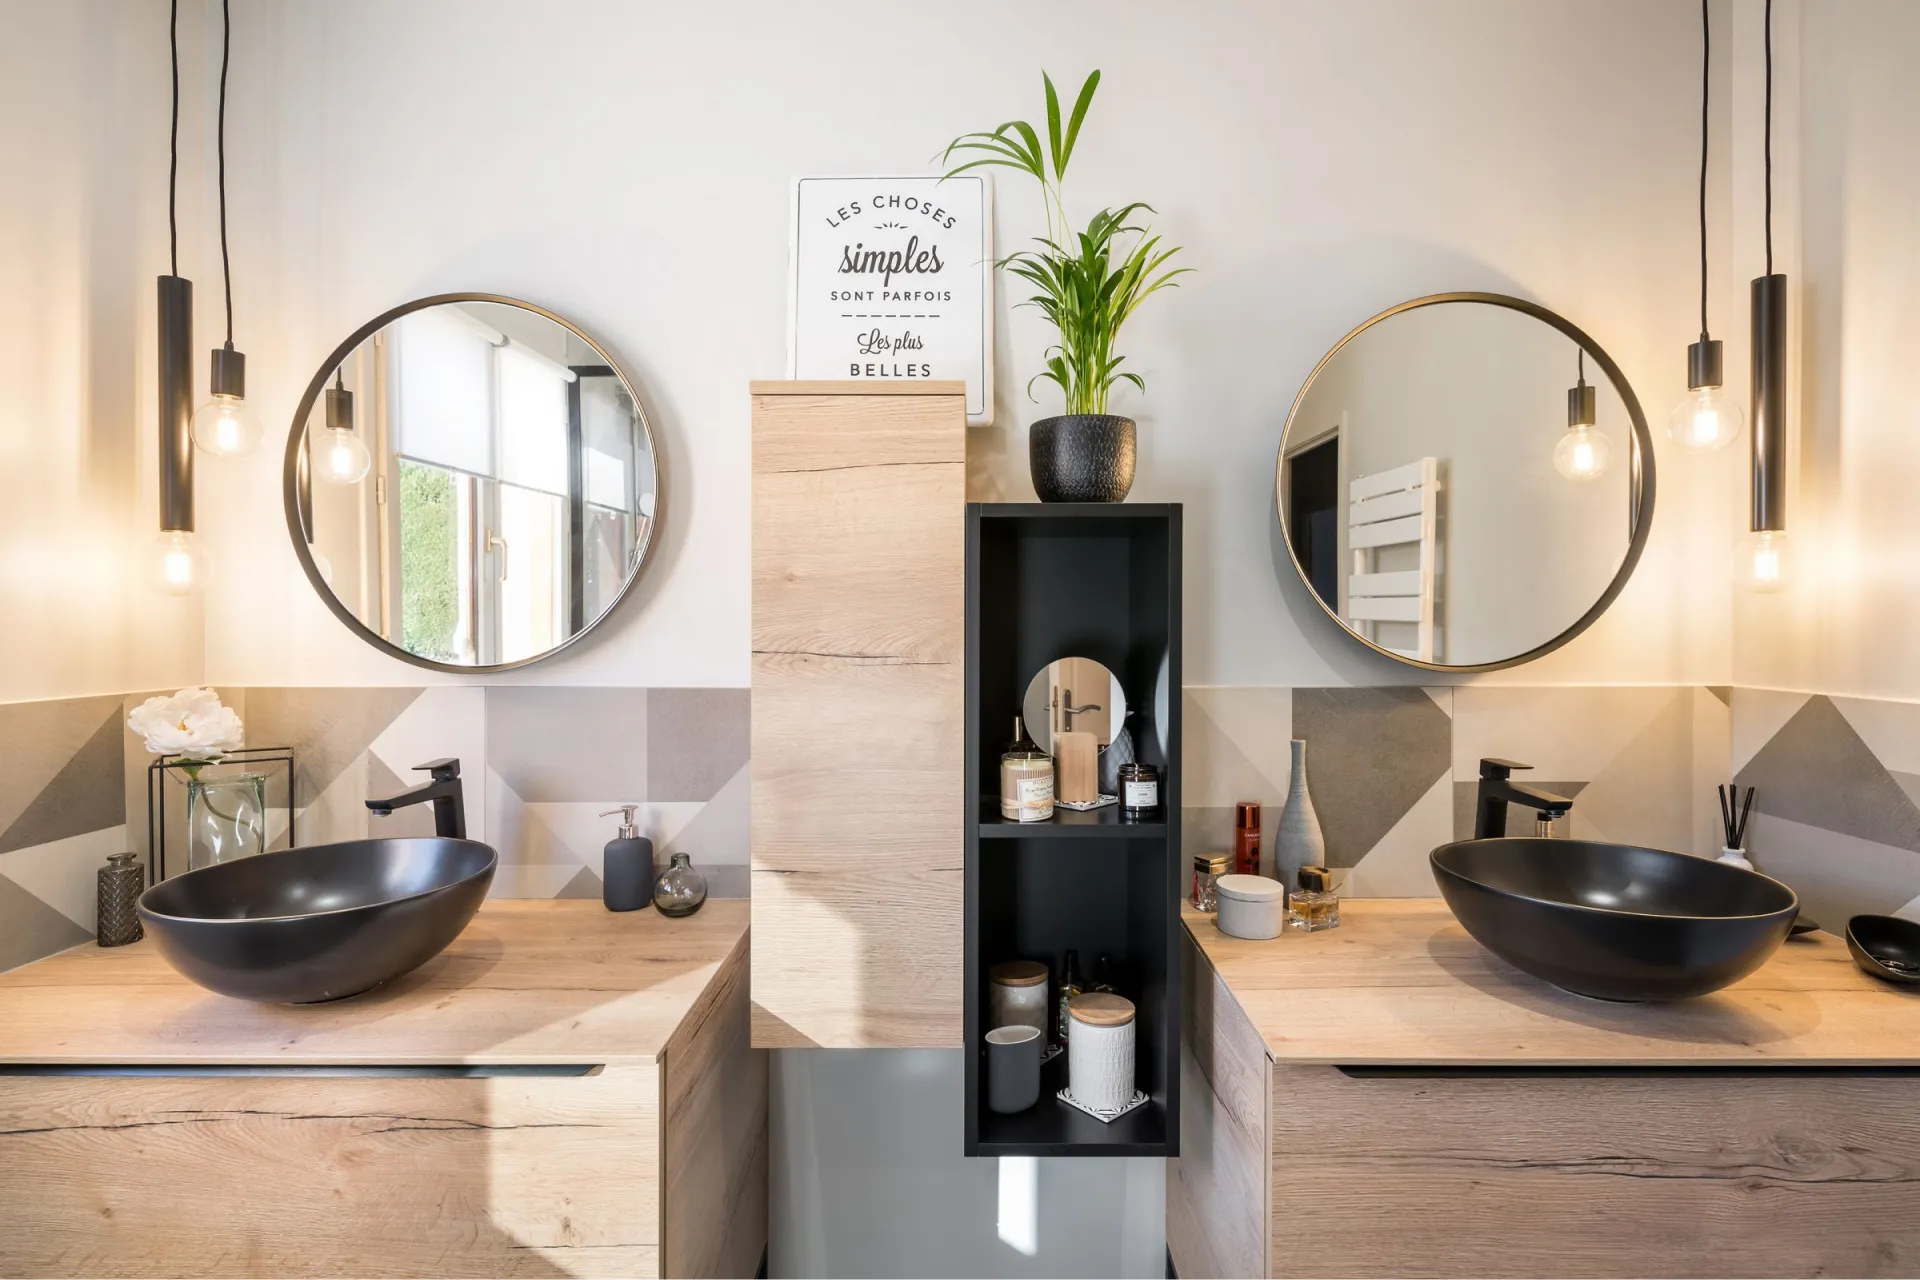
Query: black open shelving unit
{"points": [[1100, 581]]}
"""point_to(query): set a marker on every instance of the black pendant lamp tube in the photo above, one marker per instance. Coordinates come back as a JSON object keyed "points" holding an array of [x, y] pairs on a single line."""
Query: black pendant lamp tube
{"points": [[176, 403], [176, 335], [1769, 384], [1769, 399]]}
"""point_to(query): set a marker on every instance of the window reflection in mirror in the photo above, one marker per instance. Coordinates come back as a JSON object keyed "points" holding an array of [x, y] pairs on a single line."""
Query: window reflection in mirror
{"points": [[512, 491]]}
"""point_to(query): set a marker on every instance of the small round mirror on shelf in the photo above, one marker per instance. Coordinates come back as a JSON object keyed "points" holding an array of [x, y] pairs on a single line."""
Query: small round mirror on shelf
{"points": [[1074, 695], [471, 483], [1465, 482]]}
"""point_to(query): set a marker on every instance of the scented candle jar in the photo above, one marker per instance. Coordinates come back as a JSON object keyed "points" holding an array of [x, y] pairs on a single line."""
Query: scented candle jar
{"points": [[1026, 779], [1139, 789], [1017, 995]]}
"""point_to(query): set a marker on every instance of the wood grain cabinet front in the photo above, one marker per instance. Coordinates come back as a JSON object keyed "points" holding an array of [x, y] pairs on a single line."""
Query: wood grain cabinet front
{"points": [[149, 1128], [1307, 1168], [858, 528], [311, 1175]]}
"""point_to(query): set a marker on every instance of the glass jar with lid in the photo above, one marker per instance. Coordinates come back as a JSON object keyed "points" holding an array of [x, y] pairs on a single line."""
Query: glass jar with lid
{"points": [[1026, 779]]}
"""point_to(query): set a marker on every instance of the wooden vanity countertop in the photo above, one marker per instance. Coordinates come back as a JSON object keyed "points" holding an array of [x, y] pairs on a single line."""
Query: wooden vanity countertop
{"points": [[559, 982], [1400, 983]]}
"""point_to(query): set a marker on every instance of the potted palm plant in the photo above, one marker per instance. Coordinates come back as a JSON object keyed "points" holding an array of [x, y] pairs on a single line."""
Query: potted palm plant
{"points": [[1088, 283]]}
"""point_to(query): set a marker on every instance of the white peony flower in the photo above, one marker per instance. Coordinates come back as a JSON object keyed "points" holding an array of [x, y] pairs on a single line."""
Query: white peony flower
{"points": [[192, 723]]}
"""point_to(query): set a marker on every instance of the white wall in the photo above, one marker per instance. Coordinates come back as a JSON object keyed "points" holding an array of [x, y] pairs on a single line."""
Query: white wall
{"points": [[83, 223], [1846, 187], [628, 165]]}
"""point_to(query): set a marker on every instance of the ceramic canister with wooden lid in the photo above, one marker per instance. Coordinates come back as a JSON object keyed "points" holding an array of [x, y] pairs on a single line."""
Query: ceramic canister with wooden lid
{"points": [[1017, 995], [1100, 1050]]}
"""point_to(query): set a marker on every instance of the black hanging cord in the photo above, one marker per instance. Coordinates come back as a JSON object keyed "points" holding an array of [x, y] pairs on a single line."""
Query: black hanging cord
{"points": [[226, 269], [1769, 137], [173, 141], [1706, 75]]}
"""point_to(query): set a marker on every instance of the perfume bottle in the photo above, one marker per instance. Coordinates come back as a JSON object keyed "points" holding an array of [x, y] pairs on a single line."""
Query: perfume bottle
{"points": [[1102, 975], [1246, 838], [1314, 905], [1207, 870], [1026, 779], [1069, 988], [680, 890]]}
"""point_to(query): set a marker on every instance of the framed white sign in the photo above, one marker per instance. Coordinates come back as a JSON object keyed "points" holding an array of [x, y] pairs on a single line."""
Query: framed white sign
{"points": [[893, 278]]}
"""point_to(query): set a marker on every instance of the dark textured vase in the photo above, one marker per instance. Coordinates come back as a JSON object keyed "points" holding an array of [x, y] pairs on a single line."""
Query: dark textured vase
{"points": [[1082, 457]]}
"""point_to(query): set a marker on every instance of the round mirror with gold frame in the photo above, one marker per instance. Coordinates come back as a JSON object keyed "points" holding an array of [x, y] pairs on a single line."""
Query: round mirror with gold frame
{"points": [[1465, 482], [471, 483]]}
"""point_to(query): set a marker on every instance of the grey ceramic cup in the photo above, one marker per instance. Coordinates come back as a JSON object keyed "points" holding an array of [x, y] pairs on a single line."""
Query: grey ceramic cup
{"points": [[1013, 1068]]}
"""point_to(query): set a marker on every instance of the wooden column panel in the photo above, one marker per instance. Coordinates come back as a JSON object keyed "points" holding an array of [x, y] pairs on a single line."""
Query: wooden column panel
{"points": [[1219, 1200], [859, 493]]}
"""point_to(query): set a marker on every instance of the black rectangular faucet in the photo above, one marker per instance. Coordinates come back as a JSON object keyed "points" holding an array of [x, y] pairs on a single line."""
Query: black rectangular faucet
{"points": [[1497, 791], [449, 801]]}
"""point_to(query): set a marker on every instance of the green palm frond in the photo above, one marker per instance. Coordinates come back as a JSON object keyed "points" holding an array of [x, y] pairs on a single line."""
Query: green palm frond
{"points": [[1088, 282]]}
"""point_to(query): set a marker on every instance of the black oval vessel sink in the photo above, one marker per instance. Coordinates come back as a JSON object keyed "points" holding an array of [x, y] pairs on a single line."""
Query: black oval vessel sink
{"points": [[320, 922], [1616, 922]]}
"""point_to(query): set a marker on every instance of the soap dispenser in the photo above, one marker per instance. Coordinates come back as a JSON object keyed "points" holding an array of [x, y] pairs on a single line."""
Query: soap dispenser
{"points": [[626, 881]]}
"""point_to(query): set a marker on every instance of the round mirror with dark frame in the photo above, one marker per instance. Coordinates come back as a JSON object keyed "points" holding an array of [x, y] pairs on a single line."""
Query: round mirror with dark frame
{"points": [[471, 483], [1465, 482]]}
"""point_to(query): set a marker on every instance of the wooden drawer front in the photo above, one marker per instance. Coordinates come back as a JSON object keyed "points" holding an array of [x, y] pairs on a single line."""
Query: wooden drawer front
{"points": [[323, 1176], [1628, 1174], [858, 673]]}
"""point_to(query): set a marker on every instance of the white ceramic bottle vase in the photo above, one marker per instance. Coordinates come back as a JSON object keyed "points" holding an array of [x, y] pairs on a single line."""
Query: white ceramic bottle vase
{"points": [[1100, 1050], [1298, 843]]}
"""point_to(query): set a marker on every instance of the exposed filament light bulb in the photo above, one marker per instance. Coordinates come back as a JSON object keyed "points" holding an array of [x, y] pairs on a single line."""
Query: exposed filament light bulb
{"points": [[1766, 561], [179, 563], [343, 459], [1706, 417], [1583, 453]]}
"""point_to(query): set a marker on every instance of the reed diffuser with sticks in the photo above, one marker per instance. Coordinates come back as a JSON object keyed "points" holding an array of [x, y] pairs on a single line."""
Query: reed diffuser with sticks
{"points": [[1734, 813]]}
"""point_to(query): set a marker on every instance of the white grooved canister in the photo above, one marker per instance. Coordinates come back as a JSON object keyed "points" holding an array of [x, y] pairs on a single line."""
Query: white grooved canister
{"points": [[1100, 1050]]}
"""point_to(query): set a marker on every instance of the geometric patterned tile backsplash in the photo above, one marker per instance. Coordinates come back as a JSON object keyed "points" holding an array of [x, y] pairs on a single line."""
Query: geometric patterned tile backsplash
{"points": [[1836, 812], [539, 764], [62, 811], [1392, 772]]}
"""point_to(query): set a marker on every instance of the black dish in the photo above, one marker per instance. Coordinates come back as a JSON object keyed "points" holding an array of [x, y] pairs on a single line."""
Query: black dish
{"points": [[1886, 947], [321, 922], [1615, 922]]}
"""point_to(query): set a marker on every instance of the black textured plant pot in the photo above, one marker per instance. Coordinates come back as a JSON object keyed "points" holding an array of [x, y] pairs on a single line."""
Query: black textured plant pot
{"points": [[1082, 457]]}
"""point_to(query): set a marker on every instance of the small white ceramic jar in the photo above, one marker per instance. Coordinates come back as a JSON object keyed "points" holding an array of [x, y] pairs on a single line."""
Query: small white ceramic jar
{"points": [[1017, 995], [1250, 906], [1100, 1050]]}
